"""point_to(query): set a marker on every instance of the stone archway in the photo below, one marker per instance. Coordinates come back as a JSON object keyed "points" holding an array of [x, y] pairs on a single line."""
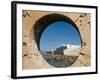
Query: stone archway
{"points": [[44, 21], [32, 57]]}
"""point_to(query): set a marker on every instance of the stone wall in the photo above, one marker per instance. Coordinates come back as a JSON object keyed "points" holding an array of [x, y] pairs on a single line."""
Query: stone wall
{"points": [[32, 58]]}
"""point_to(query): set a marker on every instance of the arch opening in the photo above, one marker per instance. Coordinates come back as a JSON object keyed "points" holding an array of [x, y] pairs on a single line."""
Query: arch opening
{"points": [[41, 26]]}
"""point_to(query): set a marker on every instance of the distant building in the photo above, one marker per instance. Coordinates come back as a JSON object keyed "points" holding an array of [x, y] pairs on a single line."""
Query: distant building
{"points": [[60, 50], [73, 47], [68, 50]]}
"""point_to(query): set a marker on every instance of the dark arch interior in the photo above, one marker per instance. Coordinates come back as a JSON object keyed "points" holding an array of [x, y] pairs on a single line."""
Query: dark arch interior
{"points": [[44, 21]]}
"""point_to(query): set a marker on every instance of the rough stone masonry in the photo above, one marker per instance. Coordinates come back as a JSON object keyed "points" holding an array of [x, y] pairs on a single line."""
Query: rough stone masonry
{"points": [[32, 58]]}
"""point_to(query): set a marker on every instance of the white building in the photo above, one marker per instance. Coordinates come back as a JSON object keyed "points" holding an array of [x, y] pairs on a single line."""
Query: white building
{"points": [[72, 50], [73, 47]]}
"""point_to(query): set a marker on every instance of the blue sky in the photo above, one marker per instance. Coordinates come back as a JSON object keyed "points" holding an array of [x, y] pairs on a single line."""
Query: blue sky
{"points": [[59, 33]]}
